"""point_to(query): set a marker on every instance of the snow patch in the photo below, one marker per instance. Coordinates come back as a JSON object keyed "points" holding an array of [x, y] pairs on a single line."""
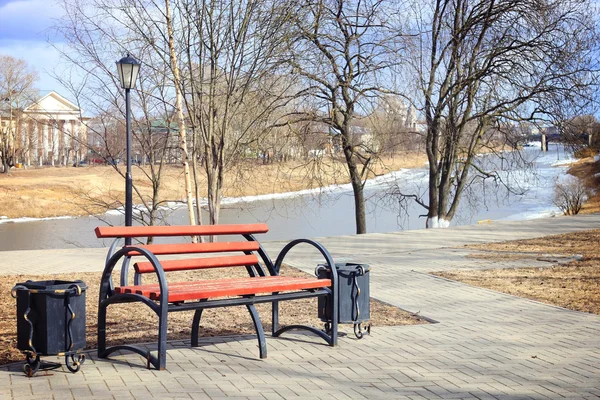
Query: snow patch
{"points": [[437, 222], [6, 220], [566, 161]]}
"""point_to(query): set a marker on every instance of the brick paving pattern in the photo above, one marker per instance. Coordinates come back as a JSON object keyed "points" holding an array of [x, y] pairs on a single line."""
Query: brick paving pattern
{"points": [[485, 345]]}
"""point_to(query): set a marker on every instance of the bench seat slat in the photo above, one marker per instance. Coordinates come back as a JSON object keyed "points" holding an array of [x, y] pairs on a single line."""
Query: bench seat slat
{"points": [[206, 289], [188, 248], [198, 263], [179, 230]]}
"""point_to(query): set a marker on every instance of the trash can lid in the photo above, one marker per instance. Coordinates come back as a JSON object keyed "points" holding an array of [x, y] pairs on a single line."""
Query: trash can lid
{"points": [[350, 266], [50, 285]]}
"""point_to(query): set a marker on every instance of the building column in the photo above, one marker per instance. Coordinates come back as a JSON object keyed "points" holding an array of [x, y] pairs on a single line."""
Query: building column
{"points": [[83, 143], [33, 142], [45, 141], [61, 142], [18, 140], [39, 145], [53, 138], [27, 149], [77, 145], [73, 142]]}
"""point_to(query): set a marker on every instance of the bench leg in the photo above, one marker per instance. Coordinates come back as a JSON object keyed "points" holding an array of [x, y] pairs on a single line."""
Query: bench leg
{"points": [[102, 331], [331, 336], [158, 362], [275, 316], [335, 318], [196, 327], [162, 339], [260, 333]]}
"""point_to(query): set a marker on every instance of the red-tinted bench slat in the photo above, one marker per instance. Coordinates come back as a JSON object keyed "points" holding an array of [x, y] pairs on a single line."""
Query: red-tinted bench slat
{"points": [[198, 263], [176, 230], [206, 289], [188, 248]]}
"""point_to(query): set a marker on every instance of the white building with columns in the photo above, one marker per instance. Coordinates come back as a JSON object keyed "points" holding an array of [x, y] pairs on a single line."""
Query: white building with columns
{"points": [[51, 131]]}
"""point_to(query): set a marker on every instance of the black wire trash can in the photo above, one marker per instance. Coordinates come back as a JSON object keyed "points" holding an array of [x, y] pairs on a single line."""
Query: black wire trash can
{"points": [[354, 297], [50, 321]]}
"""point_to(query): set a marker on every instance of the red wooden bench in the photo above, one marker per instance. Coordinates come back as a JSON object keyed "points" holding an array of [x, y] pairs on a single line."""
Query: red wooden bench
{"points": [[263, 284]]}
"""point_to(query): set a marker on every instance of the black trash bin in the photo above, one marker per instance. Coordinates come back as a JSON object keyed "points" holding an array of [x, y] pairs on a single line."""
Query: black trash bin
{"points": [[353, 293], [50, 321]]}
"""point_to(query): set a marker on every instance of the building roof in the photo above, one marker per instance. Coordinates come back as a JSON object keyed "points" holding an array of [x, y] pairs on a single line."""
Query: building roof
{"points": [[50, 98]]}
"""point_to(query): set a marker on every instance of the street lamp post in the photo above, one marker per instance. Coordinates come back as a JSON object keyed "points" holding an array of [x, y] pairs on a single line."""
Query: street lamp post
{"points": [[128, 68]]}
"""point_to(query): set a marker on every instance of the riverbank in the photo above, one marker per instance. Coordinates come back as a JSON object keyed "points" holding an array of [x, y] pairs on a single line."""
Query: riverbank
{"points": [[314, 212], [67, 191]]}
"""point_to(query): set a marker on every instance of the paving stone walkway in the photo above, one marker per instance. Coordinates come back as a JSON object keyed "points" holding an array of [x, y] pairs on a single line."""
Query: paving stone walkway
{"points": [[485, 345]]}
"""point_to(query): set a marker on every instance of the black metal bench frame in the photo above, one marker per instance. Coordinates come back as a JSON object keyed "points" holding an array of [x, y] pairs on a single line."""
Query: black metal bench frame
{"points": [[162, 307]]}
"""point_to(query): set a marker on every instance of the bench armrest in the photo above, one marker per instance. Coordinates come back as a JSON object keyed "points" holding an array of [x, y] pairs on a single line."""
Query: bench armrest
{"points": [[317, 245], [106, 280]]}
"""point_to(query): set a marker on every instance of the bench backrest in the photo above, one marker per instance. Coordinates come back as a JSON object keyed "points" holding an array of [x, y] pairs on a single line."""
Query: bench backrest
{"points": [[248, 247], [179, 230]]}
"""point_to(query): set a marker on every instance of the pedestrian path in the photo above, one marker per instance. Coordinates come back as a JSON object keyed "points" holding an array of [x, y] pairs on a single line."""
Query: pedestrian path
{"points": [[485, 345]]}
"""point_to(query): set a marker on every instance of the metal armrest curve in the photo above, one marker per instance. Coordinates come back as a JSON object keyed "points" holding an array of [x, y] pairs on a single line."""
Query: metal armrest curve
{"points": [[317, 245], [124, 252]]}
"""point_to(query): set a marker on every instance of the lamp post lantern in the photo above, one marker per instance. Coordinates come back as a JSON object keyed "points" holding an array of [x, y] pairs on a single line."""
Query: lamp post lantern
{"points": [[128, 68]]}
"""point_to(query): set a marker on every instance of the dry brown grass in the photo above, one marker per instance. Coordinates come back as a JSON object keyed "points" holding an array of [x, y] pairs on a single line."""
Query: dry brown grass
{"points": [[133, 323], [575, 285], [54, 191]]}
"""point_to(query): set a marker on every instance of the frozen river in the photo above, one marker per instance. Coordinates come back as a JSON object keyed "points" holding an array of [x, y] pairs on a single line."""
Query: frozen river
{"points": [[329, 212]]}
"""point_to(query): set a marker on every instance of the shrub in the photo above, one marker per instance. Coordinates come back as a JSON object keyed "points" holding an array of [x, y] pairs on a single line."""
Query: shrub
{"points": [[569, 195], [585, 152]]}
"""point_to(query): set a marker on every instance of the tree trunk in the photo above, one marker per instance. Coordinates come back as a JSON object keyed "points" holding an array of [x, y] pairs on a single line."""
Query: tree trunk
{"points": [[214, 192], [180, 120], [433, 213], [359, 205], [214, 197], [196, 172], [357, 186]]}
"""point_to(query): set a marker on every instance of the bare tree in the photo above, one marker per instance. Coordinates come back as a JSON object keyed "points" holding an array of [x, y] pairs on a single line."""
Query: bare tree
{"points": [[582, 134], [234, 81], [391, 126], [180, 118], [17, 81], [483, 64], [342, 49], [97, 34], [569, 195], [226, 53]]}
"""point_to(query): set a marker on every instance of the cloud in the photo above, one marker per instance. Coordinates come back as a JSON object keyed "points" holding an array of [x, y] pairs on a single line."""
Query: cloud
{"points": [[40, 55], [27, 19]]}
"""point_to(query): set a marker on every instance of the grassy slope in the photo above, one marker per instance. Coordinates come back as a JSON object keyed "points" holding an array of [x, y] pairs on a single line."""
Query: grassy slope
{"points": [[54, 191]]}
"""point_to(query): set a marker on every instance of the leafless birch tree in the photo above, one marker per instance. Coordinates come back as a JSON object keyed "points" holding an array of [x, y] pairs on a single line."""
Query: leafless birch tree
{"points": [[180, 118]]}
